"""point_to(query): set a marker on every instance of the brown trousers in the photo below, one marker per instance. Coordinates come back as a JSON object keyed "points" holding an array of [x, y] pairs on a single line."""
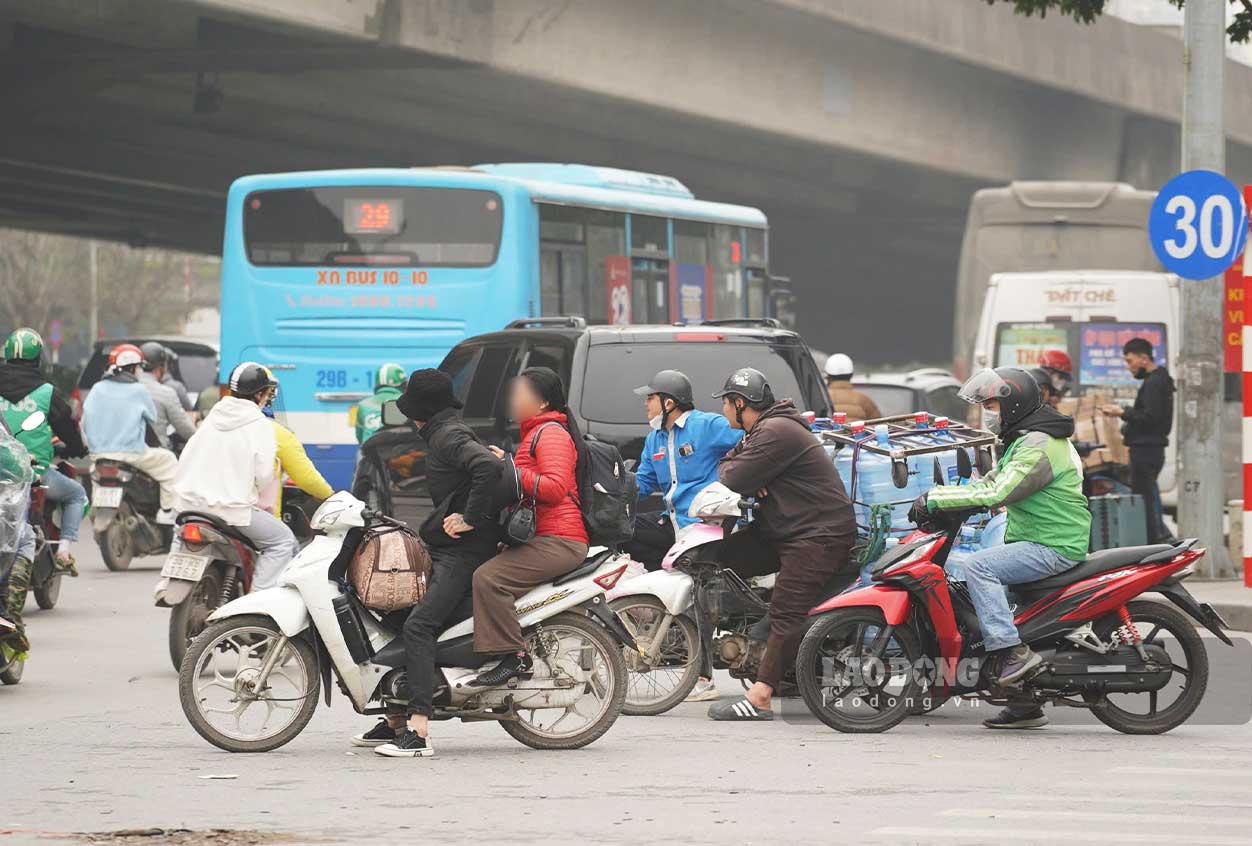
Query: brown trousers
{"points": [[806, 569], [503, 580]]}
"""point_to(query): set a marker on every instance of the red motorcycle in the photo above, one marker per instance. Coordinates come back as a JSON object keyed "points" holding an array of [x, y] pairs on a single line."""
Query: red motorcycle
{"points": [[911, 640]]}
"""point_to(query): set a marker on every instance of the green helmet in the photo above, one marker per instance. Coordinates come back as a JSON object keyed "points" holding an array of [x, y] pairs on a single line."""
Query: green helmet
{"points": [[391, 375], [23, 345]]}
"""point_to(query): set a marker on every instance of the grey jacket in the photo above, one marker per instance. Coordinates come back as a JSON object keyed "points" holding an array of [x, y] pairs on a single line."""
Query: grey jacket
{"points": [[169, 411]]}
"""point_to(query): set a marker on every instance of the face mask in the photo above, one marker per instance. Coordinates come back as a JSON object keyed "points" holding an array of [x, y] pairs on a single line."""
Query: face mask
{"points": [[1141, 373], [655, 422], [991, 421]]}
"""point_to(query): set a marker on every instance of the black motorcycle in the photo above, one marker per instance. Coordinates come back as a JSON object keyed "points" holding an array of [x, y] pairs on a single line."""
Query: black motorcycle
{"points": [[125, 502]]}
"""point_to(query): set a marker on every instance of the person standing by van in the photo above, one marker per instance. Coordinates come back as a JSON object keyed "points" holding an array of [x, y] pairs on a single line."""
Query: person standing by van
{"points": [[1145, 428]]}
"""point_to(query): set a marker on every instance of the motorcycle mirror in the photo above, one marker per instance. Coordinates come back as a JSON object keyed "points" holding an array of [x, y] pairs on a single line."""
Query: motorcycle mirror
{"points": [[392, 415], [630, 464], [964, 468], [985, 463], [899, 473], [939, 480], [34, 421]]}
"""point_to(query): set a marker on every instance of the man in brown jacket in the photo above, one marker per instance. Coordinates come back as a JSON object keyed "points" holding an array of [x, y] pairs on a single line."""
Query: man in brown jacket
{"points": [[844, 397], [804, 531]]}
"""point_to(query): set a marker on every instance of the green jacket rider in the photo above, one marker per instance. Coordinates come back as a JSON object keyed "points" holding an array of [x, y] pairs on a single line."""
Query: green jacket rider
{"points": [[368, 413]]}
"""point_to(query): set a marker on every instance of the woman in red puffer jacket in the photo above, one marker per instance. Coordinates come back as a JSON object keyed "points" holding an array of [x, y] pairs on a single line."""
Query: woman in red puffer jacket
{"points": [[546, 461]]}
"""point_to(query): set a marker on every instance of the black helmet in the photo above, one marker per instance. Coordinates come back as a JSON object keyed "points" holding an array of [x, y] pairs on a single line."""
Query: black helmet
{"points": [[249, 379], [1017, 391], [749, 383], [1042, 378], [154, 355], [671, 383]]}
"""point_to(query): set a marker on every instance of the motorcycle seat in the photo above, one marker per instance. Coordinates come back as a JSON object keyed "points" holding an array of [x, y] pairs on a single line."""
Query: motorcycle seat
{"points": [[217, 523], [584, 569], [1093, 565]]}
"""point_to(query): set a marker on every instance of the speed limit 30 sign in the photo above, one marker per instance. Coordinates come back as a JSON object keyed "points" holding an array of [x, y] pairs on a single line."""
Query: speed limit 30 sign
{"points": [[1198, 224]]}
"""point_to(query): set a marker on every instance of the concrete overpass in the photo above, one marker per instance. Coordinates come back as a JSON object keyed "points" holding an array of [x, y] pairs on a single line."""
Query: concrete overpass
{"points": [[860, 128]]}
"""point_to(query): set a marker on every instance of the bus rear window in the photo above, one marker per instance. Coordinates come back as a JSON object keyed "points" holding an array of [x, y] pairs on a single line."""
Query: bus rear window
{"points": [[390, 226]]}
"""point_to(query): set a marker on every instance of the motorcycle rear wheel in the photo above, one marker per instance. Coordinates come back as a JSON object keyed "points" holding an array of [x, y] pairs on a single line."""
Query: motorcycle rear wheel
{"points": [[245, 636], [47, 593], [115, 542], [1156, 617], [843, 639], [189, 617], [645, 695], [609, 685]]}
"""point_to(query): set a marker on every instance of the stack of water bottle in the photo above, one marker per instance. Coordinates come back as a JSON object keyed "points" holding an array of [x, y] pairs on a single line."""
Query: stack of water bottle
{"points": [[865, 458]]}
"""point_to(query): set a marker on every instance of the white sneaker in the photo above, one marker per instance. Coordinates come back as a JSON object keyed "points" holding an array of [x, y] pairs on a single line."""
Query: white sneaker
{"points": [[704, 691]]}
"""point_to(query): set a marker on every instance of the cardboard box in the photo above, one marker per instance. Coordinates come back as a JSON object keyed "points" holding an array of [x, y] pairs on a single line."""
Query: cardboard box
{"points": [[1092, 426]]}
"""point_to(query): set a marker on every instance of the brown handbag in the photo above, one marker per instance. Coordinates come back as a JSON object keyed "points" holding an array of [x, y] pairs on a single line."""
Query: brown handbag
{"points": [[391, 569]]}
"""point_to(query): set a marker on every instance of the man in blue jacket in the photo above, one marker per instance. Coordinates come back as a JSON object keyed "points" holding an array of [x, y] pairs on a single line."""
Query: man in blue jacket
{"points": [[679, 459]]}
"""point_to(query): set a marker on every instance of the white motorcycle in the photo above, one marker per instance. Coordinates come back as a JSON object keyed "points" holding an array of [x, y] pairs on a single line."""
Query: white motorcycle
{"points": [[250, 681], [659, 609]]}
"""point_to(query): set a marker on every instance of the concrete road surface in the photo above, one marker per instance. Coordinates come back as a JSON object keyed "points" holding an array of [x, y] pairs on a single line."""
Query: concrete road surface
{"points": [[94, 740]]}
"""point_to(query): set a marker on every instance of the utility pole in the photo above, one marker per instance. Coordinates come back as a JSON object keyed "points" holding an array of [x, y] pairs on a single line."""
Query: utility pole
{"points": [[94, 305], [1201, 491]]}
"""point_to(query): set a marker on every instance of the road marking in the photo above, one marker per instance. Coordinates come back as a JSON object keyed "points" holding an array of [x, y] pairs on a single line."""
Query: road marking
{"points": [[1178, 792], [1211, 772], [1028, 813], [996, 835]]}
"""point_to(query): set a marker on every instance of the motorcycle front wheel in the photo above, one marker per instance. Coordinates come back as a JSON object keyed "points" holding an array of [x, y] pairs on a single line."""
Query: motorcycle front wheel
{"points": [[856, 673], [573, 646], [12, 672], [654, 688], [224, 697]]}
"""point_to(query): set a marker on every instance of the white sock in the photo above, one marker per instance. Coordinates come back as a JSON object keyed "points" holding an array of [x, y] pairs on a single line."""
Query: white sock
{"points": [[65, 547]]}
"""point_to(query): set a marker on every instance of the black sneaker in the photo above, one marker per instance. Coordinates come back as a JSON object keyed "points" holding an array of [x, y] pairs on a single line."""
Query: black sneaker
{"points": [[408, 744], [1017, 718], [1017, 663], [377, 736], [510, 667]]}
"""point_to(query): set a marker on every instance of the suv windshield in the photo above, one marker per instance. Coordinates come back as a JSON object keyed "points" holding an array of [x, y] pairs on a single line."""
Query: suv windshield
{"points": [[615, 370]]}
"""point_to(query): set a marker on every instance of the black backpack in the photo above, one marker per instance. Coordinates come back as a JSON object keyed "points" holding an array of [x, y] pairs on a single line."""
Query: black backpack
{"points": [[607, 491]]}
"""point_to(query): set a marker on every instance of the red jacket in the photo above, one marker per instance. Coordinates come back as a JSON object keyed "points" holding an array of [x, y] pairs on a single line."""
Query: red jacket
{"points": [[556, 501]]}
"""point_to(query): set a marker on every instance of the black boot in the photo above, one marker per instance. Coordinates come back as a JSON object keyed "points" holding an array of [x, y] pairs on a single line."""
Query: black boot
{"points": [[1017, 717], [510, 667]]}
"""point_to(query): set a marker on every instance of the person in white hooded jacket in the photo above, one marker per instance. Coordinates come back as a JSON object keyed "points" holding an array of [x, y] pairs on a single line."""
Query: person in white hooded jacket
{"points": [[229, 461]]}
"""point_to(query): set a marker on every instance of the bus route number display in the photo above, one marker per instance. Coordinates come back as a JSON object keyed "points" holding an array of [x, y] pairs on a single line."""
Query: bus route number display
{"points": [[372, 216]]}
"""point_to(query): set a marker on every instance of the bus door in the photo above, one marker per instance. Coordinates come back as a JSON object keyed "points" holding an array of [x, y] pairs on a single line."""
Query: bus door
{"points": [[649, 291]]}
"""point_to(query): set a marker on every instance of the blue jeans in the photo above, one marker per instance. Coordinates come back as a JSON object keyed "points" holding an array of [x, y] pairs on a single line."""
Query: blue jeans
{"points": [[988, 571], [70, 496]]}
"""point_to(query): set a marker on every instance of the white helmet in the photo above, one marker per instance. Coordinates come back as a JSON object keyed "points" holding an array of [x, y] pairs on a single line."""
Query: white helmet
{"points": [[839, 366]]}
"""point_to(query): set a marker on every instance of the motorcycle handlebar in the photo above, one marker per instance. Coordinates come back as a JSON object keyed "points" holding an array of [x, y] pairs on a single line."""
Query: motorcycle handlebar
{"points": [[372, 516]]}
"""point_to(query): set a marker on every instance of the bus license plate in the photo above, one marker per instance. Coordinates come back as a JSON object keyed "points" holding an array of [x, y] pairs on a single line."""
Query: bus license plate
{"points": [[180, 565], [102, 497]]}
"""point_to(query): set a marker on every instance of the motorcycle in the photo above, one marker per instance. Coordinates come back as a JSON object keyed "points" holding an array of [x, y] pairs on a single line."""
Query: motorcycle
{"points": [[691, 604], [16, 478], [250, 681], [45, 577], [210, 563], [125, 503], [869, 654]]}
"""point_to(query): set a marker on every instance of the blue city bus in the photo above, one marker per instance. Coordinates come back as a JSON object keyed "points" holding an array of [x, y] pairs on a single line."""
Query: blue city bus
{"points": [[327, 274]]}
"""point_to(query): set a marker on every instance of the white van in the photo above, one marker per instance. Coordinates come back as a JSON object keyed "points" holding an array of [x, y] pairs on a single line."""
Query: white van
{"points": [[1089, 314]]}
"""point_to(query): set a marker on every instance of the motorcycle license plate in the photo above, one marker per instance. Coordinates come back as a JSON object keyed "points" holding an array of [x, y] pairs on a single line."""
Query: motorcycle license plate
{"points": [[102, 497], [181, 565]]}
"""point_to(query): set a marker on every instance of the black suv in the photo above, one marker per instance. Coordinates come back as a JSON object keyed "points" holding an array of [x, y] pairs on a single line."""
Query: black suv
{"points": [[602, 365]]}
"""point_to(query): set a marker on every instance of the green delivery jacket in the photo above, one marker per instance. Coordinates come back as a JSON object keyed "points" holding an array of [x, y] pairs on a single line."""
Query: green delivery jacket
{"points": [[369, 412], [1039, 480]]}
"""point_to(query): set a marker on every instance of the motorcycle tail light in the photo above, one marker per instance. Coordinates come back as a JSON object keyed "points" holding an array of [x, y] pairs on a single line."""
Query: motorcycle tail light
{"points": [[191, 533], [106, 471], [610, 579]]}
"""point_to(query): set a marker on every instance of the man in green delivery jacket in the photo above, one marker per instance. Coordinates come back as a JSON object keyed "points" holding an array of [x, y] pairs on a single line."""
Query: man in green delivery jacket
{"points": [[368, 413], [1039, 481]]}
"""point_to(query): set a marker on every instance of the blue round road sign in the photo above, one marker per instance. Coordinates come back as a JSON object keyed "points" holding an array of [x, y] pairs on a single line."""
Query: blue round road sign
{"points": [[1198, 224]]}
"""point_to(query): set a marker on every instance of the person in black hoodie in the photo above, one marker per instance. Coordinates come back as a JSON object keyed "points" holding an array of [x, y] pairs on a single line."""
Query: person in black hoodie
{"points": [[463, 476], [1145, 428]]}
